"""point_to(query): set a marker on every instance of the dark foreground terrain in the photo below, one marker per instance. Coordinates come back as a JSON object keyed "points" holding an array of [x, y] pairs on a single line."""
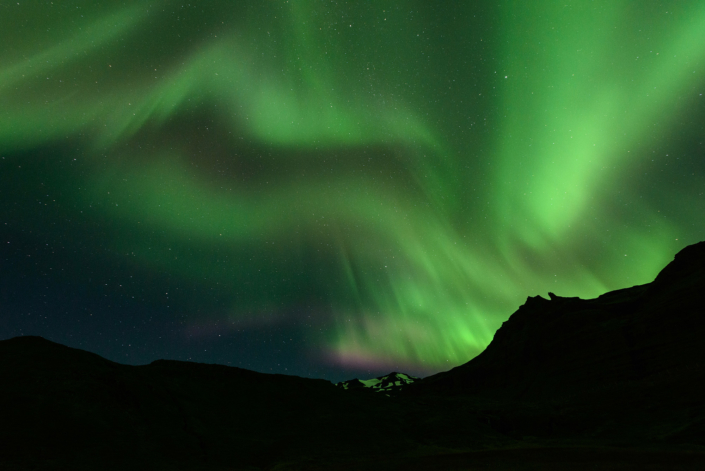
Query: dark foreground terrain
{"points": [[616, 382]]}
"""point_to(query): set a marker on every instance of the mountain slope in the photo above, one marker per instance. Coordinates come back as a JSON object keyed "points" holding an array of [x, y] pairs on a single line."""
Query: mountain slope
{"points": [[68, 406], [567, 345], [631, 358]]}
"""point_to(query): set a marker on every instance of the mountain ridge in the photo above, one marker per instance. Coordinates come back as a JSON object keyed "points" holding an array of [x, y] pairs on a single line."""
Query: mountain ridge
{"points": [[566, 383], [626, 316]]}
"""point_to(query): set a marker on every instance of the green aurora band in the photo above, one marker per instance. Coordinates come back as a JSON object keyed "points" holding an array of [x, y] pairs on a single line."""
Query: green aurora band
{"points": [[412, 170]]}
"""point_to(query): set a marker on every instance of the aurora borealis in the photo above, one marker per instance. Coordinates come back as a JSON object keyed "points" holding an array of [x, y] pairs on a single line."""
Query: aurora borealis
{"points": [[331, 188]]}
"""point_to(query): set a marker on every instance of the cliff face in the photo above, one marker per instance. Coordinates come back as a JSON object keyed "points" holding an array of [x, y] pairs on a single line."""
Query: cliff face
{"points": [[647, 337]]}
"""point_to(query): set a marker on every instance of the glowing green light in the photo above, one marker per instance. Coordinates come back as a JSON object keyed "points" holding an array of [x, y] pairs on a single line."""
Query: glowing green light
{"points": [[465, 186]]}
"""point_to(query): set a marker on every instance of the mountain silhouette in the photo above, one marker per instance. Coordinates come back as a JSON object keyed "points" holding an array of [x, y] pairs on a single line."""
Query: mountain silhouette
{"points": [[647, 334], [615, 382]]}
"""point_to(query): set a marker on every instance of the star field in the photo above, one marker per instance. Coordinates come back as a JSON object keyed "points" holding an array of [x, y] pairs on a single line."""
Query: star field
{"points": [[332, 189]]}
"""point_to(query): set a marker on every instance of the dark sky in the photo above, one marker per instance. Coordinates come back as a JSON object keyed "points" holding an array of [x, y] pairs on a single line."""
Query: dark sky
{"points": [[337, 189]]}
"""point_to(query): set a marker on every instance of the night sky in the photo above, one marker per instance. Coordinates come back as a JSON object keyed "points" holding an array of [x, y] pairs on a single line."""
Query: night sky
{"points": [[337, 189]]}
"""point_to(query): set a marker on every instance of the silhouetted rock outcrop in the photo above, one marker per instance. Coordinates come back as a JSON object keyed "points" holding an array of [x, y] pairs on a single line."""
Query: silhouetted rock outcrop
{"points": [[570, 346], [633, 358]]}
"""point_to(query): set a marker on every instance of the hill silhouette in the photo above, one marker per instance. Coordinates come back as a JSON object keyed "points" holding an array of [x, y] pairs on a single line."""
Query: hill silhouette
{"points": [[614, 382]]}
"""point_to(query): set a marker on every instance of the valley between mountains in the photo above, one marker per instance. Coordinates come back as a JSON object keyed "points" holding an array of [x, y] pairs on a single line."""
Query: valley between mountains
{"points": [[615, 382]]}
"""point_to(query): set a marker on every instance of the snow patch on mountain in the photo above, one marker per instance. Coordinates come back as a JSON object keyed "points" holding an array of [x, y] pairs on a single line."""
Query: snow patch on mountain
{"points": [[392, 382]]}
